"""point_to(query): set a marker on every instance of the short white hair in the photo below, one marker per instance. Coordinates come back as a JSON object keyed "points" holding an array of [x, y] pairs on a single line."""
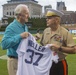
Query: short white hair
{"points": [[20, 8]]}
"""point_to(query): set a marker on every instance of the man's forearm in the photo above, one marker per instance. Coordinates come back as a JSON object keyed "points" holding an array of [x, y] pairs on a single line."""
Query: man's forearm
{"points": [[70, 50]]}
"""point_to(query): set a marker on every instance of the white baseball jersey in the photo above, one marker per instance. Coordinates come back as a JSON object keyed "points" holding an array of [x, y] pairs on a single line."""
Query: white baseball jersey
{"points": [[34, 59]]}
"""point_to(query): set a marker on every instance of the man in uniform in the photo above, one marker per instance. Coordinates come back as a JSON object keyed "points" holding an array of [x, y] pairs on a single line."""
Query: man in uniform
{"points": [[61, 39]]}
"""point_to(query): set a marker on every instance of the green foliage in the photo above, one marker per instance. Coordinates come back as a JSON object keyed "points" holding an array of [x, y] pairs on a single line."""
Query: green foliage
{"points": [[10, 20], [36, 23], [2, 28]]}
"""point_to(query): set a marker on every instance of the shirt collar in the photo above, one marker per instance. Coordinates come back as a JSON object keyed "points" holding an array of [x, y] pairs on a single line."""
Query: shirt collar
{"points": [[20, 25], [56, 32]]}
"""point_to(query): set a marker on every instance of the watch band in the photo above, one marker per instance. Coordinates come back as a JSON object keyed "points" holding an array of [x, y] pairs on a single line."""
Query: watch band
{"points": [[60, 48]]}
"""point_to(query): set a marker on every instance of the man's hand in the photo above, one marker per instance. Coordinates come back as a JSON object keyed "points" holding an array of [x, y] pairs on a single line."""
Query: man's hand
{"points": [[24, 34], [55, 47], [69, 50], [37, 36]]}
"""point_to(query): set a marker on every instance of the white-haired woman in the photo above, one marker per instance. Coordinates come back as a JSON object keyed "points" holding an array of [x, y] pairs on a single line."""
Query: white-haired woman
{"points": [[14, 33]]}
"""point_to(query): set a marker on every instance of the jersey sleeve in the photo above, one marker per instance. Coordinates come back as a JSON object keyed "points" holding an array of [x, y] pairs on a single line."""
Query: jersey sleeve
{"points": [[22, 46]]}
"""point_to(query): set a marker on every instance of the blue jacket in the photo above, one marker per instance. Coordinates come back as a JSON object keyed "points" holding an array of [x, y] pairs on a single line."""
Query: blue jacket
{"points": [[12, 37]]}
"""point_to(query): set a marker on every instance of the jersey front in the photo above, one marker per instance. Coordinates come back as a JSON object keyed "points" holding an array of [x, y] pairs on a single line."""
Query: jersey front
{"points": [[34, 59]]}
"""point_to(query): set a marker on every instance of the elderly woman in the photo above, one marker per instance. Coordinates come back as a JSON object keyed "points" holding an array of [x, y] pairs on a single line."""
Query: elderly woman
{"points": [[14, 33]]}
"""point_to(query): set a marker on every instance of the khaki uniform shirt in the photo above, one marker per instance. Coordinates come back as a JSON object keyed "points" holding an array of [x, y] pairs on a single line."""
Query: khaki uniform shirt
{"points": [[61, 37]]}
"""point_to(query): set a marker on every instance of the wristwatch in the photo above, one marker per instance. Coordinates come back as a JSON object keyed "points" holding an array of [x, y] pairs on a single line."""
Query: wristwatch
{"points": [[60, 48]]}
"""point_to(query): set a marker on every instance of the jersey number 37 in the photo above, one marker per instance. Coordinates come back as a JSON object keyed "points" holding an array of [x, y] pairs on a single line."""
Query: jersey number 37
{"points": [[31, 56]]}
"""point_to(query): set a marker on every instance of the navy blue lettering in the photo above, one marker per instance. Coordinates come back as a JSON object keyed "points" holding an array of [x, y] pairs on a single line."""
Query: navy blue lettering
{"points": [[31, 56]]}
